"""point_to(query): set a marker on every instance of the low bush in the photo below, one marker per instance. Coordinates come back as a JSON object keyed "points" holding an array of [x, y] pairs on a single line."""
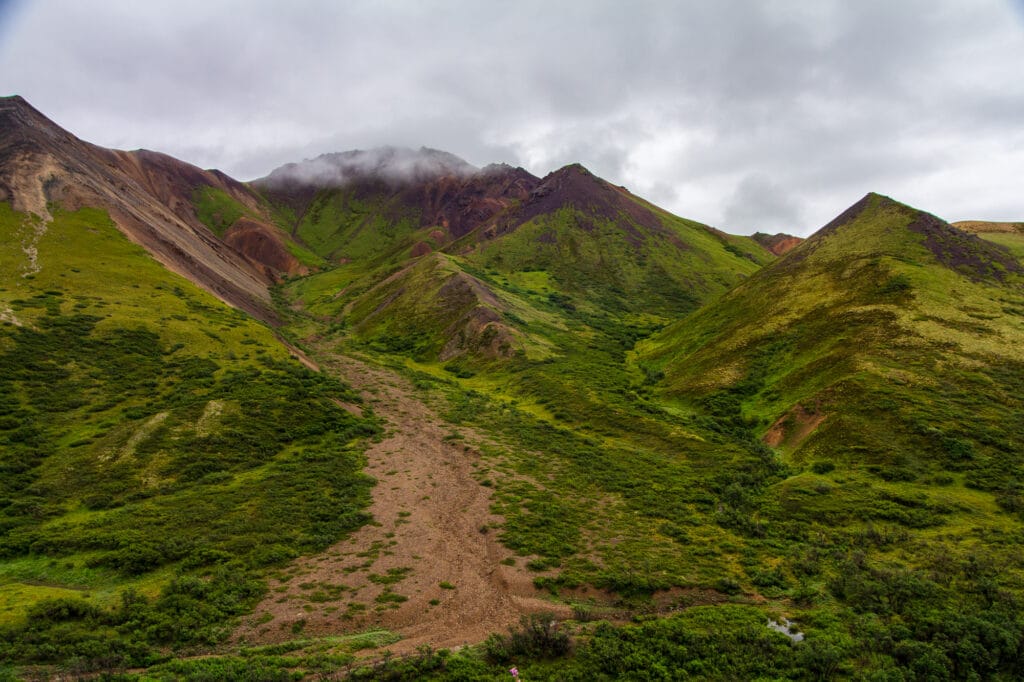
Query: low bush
{"points": [[538, 636]]}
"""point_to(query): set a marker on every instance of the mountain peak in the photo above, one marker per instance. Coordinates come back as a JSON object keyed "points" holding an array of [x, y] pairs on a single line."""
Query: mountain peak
{"points": [[849, 215], [891, 227], [393, 165], [13, 101], [21, 122], [574, 167], [18, 103], [576, 187]]}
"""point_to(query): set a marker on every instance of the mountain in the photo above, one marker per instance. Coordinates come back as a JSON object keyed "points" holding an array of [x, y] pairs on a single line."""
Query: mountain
{"points": [[148, 195], [389, 165], [487, 401], [599, 242], [845, 350], [521, 249]]}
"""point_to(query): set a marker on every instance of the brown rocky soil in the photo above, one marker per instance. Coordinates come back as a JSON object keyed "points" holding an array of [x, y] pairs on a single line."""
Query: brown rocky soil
{"points": [[263, 244], [794, 427], [432, 542], [778, 244]]}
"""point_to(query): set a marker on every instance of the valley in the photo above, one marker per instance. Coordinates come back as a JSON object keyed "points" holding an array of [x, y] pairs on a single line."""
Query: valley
{"points": [[384, 415]]}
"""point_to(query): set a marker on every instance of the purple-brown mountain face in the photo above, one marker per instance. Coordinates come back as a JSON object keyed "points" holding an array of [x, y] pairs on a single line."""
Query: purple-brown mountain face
{"points": [[148, 196], [442, 189], [575, 186], [463, 204]]}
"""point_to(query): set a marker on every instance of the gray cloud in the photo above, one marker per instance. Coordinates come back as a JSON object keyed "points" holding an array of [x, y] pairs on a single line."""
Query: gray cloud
{"points": [[756, 197], [777, 113], [393, 164]]}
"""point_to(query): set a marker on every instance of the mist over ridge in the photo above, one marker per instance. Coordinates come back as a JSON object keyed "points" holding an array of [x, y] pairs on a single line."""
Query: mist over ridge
{"points": [[390, 163]]}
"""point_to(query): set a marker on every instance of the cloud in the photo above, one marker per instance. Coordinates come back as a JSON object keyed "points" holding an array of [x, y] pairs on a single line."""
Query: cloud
{"points": [[761, 205], [393, 164], [685, 102]]}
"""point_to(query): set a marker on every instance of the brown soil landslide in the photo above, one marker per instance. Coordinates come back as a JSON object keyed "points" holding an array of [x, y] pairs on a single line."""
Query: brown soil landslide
{"points": [[794, 427], [430, 543]]}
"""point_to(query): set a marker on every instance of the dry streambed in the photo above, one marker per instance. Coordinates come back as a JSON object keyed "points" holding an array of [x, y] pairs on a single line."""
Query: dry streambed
{"points": [[429, 568]]}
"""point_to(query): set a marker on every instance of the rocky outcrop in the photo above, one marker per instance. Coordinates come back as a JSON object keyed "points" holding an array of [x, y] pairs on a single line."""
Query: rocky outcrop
{"points": [[778, 244], [263, 244]]}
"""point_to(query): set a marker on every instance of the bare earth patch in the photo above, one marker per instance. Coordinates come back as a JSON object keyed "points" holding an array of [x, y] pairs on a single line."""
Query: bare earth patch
{"points": [[794, 427], [429, 568]]}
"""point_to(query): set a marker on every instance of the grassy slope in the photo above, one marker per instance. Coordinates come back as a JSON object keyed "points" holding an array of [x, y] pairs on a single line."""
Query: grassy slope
{"points": [[217, 210], [888, 531], [600, 263], [341, 227], [1011, 240], [152, 437], [864, 311]]}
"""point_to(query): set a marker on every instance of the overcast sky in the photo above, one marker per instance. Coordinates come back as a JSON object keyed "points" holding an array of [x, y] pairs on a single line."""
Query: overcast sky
{"points": [[748, 115]]}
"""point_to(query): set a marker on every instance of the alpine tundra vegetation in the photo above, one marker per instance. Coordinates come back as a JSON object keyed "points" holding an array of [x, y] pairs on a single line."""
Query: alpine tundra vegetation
{"points": [[385, 415]]}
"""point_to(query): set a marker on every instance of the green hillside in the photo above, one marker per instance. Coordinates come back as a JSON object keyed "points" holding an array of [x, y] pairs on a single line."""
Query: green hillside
{"points": [[621, 267], [578, 248], [889, 330], [877, 360], [341, 226], [679, 436], [160, 450]]}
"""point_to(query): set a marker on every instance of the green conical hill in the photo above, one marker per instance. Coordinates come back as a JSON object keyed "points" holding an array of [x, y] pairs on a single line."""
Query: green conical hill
{"points": [[886, 339]]}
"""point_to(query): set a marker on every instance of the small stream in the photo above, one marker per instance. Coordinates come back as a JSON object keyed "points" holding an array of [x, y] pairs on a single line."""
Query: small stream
{"points": [[786, 627]]}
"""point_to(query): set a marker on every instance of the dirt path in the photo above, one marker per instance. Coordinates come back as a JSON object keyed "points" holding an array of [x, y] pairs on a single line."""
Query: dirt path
{"points": [[429, 569]]}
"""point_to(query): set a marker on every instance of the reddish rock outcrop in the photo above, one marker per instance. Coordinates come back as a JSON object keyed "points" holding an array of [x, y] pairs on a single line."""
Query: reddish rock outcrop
{"points": [[265, 245], [778, 244]]}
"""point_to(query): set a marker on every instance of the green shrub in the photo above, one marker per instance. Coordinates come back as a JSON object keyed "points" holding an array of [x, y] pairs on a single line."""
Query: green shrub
{"points": [[538, 636], [821, 467]]}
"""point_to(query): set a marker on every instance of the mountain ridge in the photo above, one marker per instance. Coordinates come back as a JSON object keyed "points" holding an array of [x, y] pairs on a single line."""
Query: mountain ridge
{"points": [[389, 163], [41, 163]]}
